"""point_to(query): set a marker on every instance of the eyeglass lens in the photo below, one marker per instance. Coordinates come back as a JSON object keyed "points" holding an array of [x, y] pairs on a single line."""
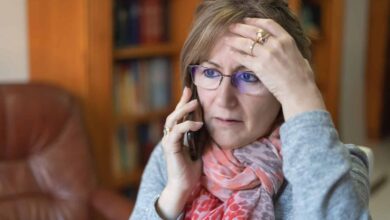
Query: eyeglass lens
{"points": [[209, 78]]}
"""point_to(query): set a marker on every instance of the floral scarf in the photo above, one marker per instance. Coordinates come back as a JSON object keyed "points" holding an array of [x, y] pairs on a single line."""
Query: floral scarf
{"points": [[239, 183]]}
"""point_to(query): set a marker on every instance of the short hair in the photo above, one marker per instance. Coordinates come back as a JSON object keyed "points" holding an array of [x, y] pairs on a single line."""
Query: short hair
{"points": [[213, 17]]}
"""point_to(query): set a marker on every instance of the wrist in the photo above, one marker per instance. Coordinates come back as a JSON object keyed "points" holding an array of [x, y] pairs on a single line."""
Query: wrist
{"points": [[308, 100], [171, 202]]}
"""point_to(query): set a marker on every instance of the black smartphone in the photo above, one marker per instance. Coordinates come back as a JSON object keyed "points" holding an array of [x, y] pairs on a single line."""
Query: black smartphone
{"points": [[196, 140]]}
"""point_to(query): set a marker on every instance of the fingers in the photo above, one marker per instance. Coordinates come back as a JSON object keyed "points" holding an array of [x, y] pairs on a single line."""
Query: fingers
{"points": [[242, 40], [244, 30], [251, 26], [262, 31], [242, 44], [183, 108], [179, 129], [185, 97], [268, 25], [172, 142], [180, 112], [249, 61], [174, 127]]}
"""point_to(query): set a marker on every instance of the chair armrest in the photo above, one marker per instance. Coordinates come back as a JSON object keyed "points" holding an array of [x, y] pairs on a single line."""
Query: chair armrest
{"points": [[111, 205]]}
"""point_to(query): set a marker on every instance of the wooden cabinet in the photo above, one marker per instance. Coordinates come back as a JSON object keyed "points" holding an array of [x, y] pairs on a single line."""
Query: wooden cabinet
{"points": [[71, 45]]}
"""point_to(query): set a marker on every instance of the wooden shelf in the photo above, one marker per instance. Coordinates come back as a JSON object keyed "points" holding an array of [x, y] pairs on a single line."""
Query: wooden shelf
{"points": [[147, 117], [128, 179], [142, 51]]}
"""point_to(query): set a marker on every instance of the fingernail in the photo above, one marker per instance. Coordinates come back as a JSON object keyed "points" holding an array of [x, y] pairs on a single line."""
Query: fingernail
{"points": [[199, 123], [193, 101], [186, 90]]}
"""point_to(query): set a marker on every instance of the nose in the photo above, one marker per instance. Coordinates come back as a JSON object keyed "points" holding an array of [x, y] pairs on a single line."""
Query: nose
{"points": [[226, 94]]}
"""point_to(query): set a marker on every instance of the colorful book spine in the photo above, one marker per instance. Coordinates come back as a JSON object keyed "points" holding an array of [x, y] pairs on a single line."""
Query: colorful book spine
{"points": [[125, 153], [151, 20], [142, 86], [140, 22]]}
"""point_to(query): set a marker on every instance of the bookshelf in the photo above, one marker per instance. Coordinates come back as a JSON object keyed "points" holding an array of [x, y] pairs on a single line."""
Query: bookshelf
{"points": [[167, 49], [73, 47]]}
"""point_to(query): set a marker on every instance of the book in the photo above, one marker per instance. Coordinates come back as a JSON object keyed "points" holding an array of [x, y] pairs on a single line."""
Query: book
{"points": [[125, 151], [159, 71], [151, 21], [133, 22], [142, 86], [122, 140], [120, 22]]}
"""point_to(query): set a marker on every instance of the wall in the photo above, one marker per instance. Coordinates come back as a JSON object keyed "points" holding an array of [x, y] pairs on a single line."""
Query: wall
{"points": [[13, 41], [352, 105]]}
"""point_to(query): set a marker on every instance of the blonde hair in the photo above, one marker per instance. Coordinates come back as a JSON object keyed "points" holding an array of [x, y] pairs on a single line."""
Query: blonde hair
{"points": [[213, 17]]}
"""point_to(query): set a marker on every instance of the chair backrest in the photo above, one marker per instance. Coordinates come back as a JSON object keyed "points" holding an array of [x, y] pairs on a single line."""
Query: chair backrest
{"points": [[46, 168], [370, 158]]}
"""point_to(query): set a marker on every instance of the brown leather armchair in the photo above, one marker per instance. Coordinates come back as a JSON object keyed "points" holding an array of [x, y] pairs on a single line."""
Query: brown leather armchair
{"points": [[46, 169]]}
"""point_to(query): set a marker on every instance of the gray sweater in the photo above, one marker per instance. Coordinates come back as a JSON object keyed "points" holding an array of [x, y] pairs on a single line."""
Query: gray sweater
{"points": [[324, 178]]}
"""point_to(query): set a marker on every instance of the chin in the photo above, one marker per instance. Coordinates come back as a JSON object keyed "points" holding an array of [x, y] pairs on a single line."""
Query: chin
{"points": [[228, 143], [231, 138]]}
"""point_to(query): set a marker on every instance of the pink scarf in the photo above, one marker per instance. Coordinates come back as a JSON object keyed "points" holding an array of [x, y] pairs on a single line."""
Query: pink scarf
{"points": [[239, 183]]}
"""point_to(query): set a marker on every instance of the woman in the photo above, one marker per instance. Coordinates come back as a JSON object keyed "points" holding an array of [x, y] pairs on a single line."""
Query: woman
{"points": [[272, 151]]}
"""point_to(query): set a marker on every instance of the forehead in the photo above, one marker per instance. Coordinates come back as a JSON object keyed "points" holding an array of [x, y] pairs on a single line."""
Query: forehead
{"points": [[219, 44], [207, 45], [221, 55]]}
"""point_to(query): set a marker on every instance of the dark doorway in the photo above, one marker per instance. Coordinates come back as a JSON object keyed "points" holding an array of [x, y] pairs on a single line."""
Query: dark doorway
{"points": [[386, 92], [377, 72]]}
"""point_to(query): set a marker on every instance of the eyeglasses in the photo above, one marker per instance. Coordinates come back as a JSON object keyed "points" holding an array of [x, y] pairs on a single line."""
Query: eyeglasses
{"points": [[209, 78]]}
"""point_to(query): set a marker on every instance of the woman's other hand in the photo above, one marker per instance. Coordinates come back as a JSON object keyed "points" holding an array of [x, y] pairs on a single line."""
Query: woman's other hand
{"points": [[278, 63], [183, 173]]}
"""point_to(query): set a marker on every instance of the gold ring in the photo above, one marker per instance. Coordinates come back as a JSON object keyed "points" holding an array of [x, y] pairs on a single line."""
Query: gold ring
{"points": [[252, 47], [166, 131], [261, 36]]}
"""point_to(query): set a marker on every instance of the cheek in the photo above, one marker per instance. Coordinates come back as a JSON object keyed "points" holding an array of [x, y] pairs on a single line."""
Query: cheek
{"points": [[205, 98], [264, 113]]}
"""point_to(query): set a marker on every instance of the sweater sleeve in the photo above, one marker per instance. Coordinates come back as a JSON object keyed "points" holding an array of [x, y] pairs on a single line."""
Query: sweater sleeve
{"points": [[329, 179], [152, 184]]}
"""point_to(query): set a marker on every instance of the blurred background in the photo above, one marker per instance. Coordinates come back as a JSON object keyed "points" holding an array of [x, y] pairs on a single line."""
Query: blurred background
{"points": [[119, 58]]}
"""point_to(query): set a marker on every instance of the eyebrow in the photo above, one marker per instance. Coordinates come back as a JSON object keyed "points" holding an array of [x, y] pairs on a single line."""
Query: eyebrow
{"points": [[219, 66]]}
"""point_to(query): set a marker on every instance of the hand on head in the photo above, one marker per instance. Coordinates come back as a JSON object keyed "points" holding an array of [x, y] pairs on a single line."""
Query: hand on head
{"points": [[263, 46]]}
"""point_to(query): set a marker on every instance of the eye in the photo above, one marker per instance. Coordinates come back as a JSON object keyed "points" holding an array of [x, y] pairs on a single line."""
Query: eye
{"points": [[248, 77], [211, 73]]}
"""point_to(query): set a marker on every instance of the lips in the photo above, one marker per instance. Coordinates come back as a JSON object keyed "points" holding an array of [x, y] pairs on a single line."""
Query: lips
{"points": [[227, 121]]}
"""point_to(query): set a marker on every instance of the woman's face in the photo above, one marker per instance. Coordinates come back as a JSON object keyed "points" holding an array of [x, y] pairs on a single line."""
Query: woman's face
{"points": [[234, 119]]}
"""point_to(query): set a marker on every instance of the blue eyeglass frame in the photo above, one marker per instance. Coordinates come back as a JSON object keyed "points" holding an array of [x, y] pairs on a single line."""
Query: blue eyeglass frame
{"points": [[233, 79]]}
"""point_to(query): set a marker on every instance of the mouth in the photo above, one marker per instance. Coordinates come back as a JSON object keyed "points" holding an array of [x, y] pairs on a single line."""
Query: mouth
{"points": [[227, 121]]}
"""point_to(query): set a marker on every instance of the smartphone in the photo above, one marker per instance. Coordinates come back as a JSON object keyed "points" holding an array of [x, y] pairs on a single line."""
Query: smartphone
{"points": [[196, 140]]}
